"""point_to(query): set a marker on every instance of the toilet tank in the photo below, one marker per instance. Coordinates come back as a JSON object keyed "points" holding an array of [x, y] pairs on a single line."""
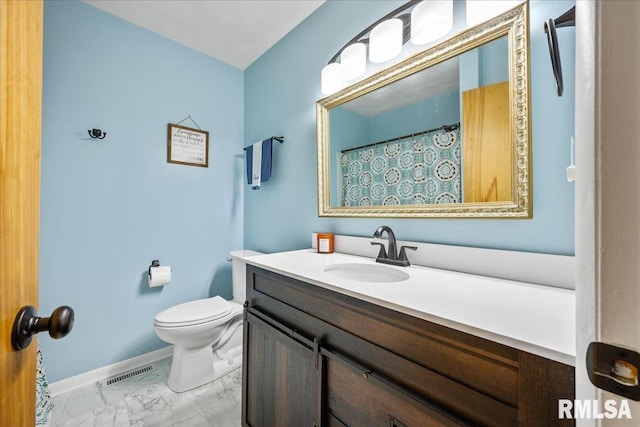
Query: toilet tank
{"points": [[238, 271]]}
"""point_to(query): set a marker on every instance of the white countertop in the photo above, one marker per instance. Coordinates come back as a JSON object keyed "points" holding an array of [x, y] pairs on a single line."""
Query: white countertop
{"points": [[533, 318]]}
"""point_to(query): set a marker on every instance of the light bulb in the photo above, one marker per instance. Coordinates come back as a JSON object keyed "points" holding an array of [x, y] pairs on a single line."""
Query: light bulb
{"points": [[385, 40], [431, 20], [331, 81], [354, 61]]}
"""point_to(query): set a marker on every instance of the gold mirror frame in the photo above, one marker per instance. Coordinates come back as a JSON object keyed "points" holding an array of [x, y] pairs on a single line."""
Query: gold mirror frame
{"points": [[515, 25]]}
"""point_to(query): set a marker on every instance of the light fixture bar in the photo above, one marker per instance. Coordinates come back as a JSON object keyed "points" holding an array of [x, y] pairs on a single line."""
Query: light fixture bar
{"points": [[397, 13], [384, 40]]}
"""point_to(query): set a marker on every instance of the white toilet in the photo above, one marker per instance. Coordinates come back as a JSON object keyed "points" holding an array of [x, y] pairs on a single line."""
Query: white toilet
{"points": [[206, 334]]}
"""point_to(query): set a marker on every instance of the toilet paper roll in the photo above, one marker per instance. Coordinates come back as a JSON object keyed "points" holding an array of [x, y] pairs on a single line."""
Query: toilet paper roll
{"points": [[159, 276]]}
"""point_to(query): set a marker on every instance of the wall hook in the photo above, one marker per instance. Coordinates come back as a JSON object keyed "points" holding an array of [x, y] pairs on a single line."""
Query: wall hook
{"points": [[96, 134]]}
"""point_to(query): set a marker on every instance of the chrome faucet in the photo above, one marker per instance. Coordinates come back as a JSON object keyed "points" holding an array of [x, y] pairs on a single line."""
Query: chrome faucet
{"points": [[392, 257]]}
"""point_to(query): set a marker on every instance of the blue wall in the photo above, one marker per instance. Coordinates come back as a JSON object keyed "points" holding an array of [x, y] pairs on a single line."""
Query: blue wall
{"points": [[109, 207], [443, 109], [348, 129], [281, 89], [494, 62]]}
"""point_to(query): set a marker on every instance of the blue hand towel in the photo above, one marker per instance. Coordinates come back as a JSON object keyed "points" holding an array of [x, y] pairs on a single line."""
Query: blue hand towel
{"points": [[259, 154]]}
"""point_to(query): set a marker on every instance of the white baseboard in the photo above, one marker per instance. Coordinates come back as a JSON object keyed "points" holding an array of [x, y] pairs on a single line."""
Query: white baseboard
{"points": [[72, 383]]}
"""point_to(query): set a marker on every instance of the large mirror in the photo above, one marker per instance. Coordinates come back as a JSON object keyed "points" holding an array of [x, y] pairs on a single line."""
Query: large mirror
{"points": [[445, 133]]}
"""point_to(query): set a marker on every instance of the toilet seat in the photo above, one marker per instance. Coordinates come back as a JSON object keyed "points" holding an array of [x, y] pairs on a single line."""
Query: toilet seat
{"points": [[193, 313]]}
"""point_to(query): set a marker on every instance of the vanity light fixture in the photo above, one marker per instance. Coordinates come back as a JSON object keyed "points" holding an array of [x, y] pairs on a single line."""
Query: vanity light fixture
{"points": [[385, 38], [421, 22], [479, 11], [332, 78], [431, 20], [353, 61]]}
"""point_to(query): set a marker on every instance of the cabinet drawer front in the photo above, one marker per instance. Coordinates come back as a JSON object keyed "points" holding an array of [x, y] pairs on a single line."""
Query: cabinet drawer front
{"points": [[357, 401]]}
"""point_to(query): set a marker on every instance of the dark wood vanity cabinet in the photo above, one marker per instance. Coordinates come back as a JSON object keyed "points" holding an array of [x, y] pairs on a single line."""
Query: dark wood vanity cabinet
{"points": [[314, 357]]}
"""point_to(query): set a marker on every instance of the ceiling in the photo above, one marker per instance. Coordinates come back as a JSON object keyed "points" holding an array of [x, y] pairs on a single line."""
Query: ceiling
{"points": [[236, 32]]}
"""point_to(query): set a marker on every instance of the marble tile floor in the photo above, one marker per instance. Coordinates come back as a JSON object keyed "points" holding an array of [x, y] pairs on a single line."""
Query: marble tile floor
{"points": [[145, 400]]}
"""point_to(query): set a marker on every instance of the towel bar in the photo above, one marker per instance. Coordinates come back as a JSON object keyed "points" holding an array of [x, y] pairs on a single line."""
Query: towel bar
{"points": [[280, 139]]}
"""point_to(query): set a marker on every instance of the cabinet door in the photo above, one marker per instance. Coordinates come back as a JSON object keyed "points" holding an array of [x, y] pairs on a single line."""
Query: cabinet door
{"points": [[281, 378]]}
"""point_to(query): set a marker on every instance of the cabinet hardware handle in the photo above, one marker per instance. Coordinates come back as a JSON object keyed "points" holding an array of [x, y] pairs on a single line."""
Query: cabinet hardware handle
{"points": [[395, 423], [316, 350]]}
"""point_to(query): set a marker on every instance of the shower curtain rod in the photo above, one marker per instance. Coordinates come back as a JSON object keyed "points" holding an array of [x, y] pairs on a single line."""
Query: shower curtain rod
{"points": [[446, 128]]}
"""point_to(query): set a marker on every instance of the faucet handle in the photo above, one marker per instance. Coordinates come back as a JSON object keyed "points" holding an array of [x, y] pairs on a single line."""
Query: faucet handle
{"points": [[383, 253], [403, 253]]}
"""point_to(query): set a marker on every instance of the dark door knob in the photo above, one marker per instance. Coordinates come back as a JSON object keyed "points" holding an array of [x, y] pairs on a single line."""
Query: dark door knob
{"points": [[27, 324]]}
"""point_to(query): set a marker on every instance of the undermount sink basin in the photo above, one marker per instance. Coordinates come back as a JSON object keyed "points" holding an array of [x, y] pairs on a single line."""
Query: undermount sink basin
{"points": [[366, 272]]}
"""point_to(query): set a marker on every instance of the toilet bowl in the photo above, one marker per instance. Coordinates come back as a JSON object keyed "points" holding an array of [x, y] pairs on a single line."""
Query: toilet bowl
{"points": [[206, 334]]}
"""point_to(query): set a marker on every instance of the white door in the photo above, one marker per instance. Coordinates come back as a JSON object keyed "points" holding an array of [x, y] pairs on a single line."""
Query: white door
{"points": [[607, 192]]}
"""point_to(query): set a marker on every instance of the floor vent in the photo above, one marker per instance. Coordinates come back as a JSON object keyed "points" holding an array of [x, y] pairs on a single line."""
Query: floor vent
{"points": [[111, 381]]}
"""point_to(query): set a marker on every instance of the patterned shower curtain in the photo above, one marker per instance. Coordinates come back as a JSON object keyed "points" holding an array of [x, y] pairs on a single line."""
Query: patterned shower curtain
{"points": [[424, 168]]}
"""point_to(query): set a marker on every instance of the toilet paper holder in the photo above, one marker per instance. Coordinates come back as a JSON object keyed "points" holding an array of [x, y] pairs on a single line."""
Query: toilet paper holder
{"points": [[158, 275], [154, 263]]}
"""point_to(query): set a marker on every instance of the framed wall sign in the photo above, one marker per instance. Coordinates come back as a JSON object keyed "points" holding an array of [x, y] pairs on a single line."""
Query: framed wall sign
{"points": [[187, 146]]}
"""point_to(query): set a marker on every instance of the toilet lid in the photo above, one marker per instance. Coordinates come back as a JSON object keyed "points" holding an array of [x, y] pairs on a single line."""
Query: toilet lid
{"points": [[194, 312]]}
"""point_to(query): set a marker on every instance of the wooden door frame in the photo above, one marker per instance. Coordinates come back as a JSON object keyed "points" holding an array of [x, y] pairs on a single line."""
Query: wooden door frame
{"points": [[21, 32]]}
